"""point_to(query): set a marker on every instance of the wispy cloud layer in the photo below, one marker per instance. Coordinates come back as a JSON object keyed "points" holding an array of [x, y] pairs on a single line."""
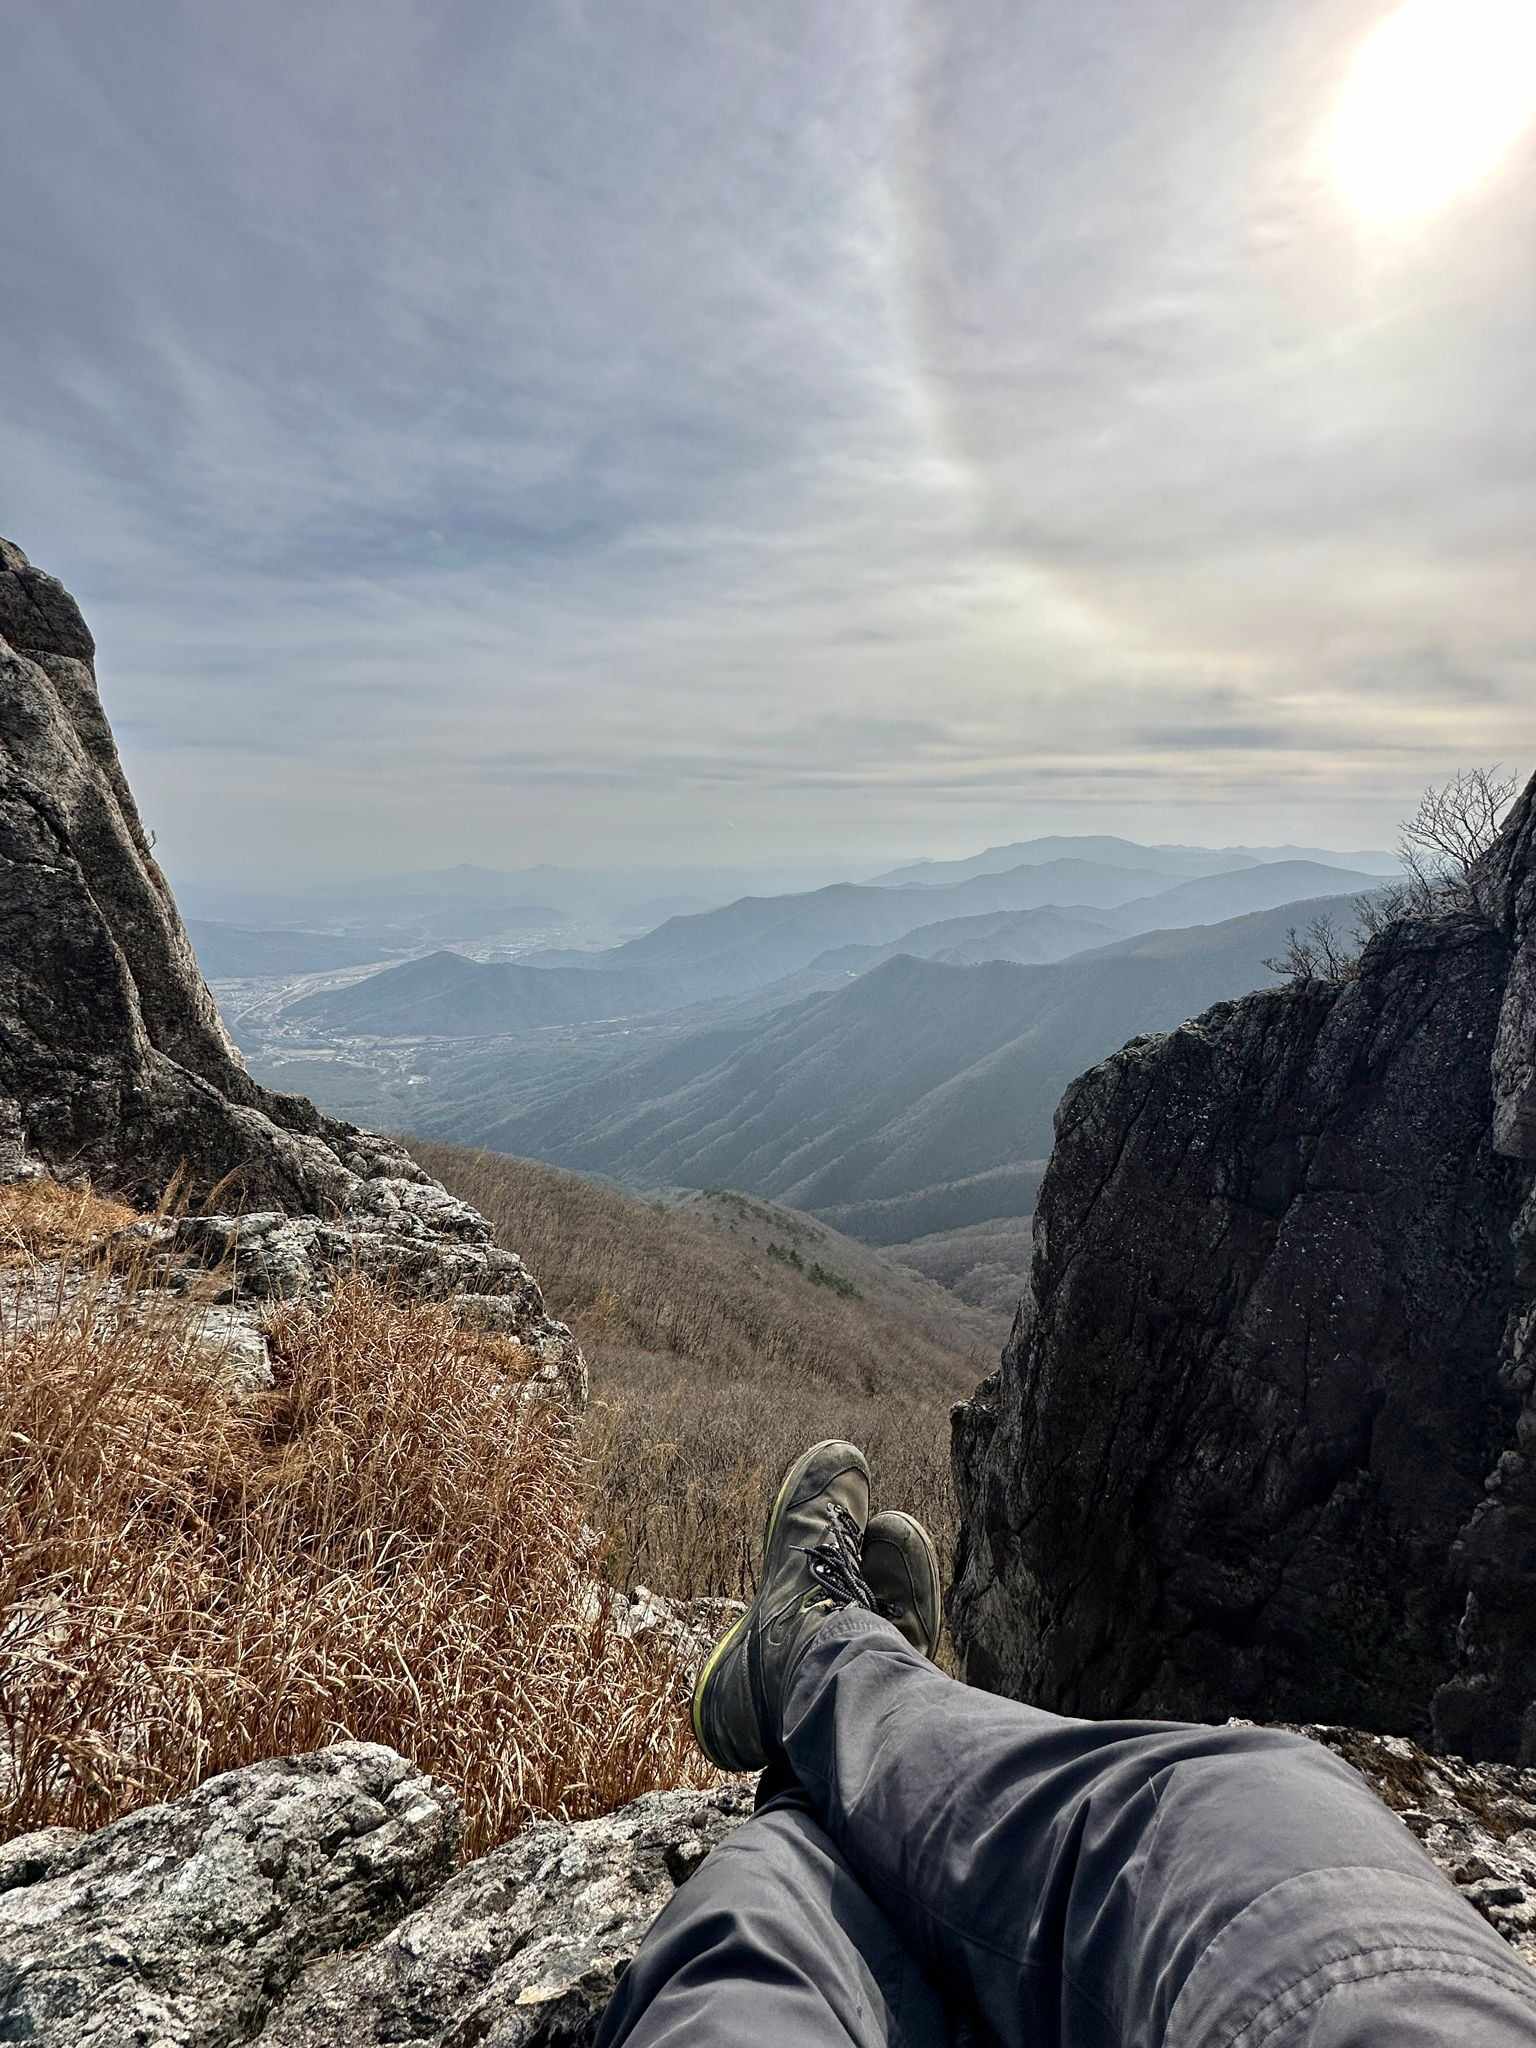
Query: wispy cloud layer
{"points": [[516, 433]]}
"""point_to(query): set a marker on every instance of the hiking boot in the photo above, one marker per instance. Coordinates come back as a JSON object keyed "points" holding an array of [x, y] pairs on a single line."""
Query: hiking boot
{"points": [[902, 1568], [810, 1570]]}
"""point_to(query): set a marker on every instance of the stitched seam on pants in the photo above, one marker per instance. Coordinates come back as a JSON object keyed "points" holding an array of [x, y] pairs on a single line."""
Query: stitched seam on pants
{"points": [[1431, 1962], [1427, 1881]]}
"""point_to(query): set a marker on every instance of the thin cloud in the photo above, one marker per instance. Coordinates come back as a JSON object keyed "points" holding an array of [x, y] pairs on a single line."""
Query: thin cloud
{"points": [[804, 426]]}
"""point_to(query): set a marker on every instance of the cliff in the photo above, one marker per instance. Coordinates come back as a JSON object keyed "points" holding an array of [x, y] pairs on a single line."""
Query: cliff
{"points": [[112, 1055], [113, 1060], [1262, 1446]]}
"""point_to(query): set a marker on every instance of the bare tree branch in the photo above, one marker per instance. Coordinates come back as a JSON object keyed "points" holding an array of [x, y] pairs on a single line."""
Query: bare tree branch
{"points": [[1440, 846], [1451, 830]]}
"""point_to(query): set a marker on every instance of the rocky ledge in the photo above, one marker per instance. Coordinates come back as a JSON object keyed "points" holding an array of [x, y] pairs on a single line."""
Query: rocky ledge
{"points": [[314, 1900]]}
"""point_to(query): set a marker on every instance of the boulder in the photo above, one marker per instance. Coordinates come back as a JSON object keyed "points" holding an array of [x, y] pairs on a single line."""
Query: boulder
{"points": [[1264, 1446], [185, 1923], [312, 1901]]}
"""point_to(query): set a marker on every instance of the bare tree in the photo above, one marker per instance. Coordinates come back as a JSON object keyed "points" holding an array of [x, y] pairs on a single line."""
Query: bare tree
{"points": [[1453, 827], [1439, 847], [1320, 953]]}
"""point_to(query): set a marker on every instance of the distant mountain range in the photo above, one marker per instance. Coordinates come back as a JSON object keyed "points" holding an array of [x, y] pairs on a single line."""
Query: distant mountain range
{"points": [[887, 1054], [1049, 933], [918, 1098], [446, 995], [597, 909], [1025, 936], [758, 941], [1174, 861]]}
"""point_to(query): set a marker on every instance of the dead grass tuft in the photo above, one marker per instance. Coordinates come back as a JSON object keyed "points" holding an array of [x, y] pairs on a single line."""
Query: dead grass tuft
{"points": [[40, 1219], [389, 1546]]}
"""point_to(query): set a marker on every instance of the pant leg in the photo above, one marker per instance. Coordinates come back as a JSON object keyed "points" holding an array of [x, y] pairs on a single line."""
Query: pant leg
{"points": [[773, 1943], [1137, 1884]]}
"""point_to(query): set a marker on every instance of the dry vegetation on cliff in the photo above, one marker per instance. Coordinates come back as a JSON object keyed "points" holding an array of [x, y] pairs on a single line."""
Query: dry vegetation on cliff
{"points": [[43, 1219], [387, 1545], [713, 1364]]}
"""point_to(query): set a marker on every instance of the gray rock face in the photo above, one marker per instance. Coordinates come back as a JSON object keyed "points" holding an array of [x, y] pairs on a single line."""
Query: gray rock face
{"points": [[523, 1948], [113, 1059], [184, 1923], [1493, 1690], [1508, 886], [1262, 1448], [112, 1056], [311, 1902]]}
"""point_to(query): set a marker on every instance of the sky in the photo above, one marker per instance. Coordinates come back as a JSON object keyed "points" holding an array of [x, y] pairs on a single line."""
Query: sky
{"points": [[588, 433]]}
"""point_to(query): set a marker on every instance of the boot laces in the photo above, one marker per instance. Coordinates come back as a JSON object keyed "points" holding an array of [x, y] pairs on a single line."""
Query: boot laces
{"points": [[835, 1561]]}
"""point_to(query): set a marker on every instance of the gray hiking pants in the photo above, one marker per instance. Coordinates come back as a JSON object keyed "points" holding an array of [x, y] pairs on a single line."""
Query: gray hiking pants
{"points": [[952, 1865]]}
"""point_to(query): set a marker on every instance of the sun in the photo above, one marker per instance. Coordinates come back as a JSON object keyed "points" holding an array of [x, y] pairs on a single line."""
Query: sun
{"points": [[1435, 96]]}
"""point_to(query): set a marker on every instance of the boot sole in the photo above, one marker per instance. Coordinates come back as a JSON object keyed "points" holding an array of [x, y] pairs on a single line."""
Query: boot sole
{"points": [[786, 1488]]}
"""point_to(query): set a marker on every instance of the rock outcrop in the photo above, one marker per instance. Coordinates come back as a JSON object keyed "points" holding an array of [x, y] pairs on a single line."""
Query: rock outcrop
{"points": [[1261, 1448], [112, 1056], [113, 1061], [312, 1901], [1493, 1692]]}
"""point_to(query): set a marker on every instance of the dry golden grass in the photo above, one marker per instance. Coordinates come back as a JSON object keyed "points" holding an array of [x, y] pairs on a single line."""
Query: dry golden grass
{"points": [[388, 1546], [712, 1367], [39, 1219]]}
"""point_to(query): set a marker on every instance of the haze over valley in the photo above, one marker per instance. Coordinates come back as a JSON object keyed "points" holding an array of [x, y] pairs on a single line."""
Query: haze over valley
{"points": [[884, 1053]]}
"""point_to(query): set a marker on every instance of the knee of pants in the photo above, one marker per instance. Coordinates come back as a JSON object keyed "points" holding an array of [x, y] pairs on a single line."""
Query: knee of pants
{"points": [[1263, 1755], [1257, 1804]]}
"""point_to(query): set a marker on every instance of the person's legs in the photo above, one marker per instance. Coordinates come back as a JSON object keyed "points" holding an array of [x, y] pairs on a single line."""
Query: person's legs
{"points": [[773, 1943], [1135, 1884]]}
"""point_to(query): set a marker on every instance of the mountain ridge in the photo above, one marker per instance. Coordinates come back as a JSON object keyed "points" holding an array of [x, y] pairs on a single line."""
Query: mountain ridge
{"points": [[914, 1077], [757, 941]]}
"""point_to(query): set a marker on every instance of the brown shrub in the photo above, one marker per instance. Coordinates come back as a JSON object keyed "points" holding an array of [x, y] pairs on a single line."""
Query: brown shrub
{"points": [[389, 1547]]}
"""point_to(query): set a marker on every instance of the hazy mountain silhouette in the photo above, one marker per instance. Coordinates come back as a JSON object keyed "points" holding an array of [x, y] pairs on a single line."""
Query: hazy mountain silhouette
{"points": [[1174, 861], [225, 951], [1027, 936], [756, 942], [919, 1097]]}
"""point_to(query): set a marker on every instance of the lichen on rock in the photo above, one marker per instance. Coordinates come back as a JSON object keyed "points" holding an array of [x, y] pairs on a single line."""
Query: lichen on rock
{"points": [[312, 1901]]}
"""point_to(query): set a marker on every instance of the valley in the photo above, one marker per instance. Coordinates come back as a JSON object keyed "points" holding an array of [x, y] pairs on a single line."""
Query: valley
{"points": [[886, 1056]]}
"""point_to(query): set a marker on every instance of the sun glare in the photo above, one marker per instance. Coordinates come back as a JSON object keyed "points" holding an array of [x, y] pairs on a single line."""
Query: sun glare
{"points": [[1434, 98]]}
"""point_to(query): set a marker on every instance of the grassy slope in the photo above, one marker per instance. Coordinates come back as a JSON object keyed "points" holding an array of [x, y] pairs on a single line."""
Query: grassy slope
{"points": [[714, 1363]]}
